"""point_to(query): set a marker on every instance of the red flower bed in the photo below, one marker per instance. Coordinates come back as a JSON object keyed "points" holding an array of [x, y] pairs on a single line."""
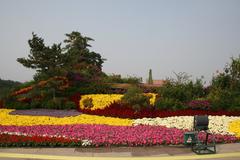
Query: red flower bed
{"points": [[7, 140], [121, 111]]}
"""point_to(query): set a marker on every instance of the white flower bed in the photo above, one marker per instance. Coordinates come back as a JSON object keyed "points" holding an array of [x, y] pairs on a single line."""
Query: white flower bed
{"points": [[181, 122], [217, 124]]}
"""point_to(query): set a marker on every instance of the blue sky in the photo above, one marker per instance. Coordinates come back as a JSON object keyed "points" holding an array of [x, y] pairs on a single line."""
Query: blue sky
{"points": [[193, 36]]}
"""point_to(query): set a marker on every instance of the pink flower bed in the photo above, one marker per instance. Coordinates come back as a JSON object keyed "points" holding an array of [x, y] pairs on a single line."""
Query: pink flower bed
{"points": [[109, 135]]}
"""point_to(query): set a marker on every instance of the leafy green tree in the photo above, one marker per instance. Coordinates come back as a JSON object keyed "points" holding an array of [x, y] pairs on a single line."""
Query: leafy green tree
{"points": [[233, 70], [78, 57], [225, 89], [182, 88], [47, 61], [53, 60], [230, 78]]}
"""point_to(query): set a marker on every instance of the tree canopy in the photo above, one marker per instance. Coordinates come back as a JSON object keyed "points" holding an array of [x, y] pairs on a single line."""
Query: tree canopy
{"points": [[74, 57], [230, 78], [79, 59]]}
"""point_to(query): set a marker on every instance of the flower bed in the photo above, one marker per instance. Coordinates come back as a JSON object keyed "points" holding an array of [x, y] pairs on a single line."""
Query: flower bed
{"points": [[19, 120], [8, 140], [102, 135], [99, 101], [87, 130], [123, 111], [217, 124], [110, 105], [234, 127], [102, 101]]}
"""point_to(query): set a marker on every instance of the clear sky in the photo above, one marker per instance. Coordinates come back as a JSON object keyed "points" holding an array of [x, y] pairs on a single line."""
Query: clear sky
{"points": [[193, 36]]}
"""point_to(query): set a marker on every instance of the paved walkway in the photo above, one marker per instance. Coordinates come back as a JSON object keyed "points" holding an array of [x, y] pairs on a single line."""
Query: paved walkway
{"points": [[224, 151]]}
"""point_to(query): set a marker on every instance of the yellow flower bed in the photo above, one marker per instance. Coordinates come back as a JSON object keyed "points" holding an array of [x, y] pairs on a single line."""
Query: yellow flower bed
{"points": [[20, 120], [101, 101], [234, 127]]}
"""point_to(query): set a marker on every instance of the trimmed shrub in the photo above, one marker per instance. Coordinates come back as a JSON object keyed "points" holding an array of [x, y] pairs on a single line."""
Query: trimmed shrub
{"points": [[135, 98]]}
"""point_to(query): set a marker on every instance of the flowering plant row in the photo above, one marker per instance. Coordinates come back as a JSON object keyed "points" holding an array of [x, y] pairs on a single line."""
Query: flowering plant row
{"points": [[224, 125], [20, 120], [100, 135], [217, 124], [98, 101], [124, 111], [9, 140], [101, 101]]}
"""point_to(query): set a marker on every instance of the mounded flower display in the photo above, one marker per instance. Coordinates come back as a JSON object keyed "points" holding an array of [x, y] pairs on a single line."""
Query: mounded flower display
{"points": [[102, 101], [21, 120], [111, 105], [88, 130], [98, 101], [112, 110]]}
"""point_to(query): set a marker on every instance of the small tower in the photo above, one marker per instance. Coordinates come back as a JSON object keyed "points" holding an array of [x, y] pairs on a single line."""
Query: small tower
{"points": [[150, 79]]}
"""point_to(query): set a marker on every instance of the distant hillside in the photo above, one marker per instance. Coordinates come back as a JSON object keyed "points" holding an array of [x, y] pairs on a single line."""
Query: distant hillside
{"points": [[6, 85]]}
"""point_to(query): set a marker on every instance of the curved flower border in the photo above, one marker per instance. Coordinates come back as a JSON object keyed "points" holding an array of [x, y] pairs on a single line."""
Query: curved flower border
{"points": [[104, 135]]}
